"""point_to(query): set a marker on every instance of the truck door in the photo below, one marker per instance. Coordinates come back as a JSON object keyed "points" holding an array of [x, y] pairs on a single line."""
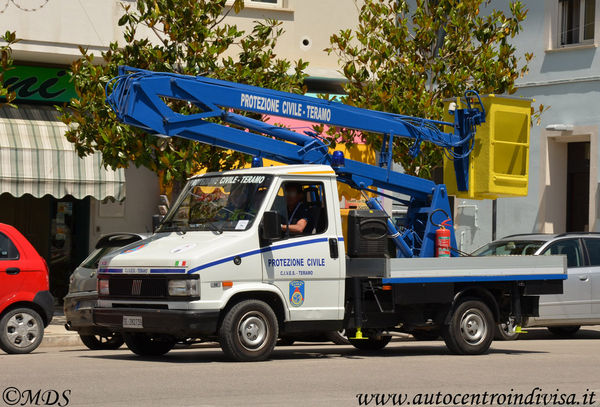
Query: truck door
{"points": [[307, 266], [575, 301]]}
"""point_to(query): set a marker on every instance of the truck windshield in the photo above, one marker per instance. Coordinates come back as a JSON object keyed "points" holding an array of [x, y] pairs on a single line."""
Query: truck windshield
{"points": [[509, 247], [218, 203]]}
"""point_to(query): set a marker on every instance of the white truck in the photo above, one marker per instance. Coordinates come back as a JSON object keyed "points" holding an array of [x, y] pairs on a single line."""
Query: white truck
{"points": [[220, 266]]}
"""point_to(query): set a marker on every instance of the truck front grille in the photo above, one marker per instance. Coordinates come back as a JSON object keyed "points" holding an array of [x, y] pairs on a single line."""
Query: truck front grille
{"points": [[143, 287], [138, 287]]}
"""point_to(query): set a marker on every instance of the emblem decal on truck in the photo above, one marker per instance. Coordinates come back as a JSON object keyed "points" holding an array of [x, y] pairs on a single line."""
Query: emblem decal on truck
{"points": [[297, 293]]}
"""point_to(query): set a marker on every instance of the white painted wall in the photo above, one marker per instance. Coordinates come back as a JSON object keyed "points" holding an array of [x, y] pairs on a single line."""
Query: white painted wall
{"points": [[141, 202]]}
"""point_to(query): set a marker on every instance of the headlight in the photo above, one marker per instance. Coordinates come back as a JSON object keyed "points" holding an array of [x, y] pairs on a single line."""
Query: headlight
{"points": [[184, 288], [103, 287]]}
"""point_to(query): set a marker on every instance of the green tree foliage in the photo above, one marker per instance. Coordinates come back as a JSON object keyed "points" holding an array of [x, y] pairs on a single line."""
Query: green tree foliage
{"points": [[407, 56], [6, 63], [184, 36]]}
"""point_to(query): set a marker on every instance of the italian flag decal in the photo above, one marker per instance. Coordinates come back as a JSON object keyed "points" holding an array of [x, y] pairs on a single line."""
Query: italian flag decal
{"points": [[181, 263]]}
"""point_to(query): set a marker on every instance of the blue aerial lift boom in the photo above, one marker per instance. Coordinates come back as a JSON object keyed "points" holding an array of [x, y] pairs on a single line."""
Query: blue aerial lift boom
{"points": [[138, 98]]}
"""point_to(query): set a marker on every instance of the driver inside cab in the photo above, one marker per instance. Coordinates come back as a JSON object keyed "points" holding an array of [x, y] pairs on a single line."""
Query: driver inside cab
{"points": [[297, 212]]}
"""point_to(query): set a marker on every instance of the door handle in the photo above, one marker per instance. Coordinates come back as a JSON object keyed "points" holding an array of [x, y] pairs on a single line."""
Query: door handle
{"points": [[584, 278], [13, 270], [333, 248]]}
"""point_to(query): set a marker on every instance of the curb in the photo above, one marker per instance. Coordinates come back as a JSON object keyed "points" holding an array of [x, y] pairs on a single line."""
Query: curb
{"points": [[56, 340]]}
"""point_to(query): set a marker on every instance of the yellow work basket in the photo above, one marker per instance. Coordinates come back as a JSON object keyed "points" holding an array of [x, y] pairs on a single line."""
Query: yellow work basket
{"points": [[499, 162]]}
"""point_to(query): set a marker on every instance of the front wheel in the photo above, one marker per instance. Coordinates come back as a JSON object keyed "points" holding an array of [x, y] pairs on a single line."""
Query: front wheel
{"points": [[249, 331], [21, 331], [102, 342], [144, 344], [471, 329]]}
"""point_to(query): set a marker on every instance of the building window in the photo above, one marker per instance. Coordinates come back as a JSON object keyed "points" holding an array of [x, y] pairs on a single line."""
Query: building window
{"points": [[262, 3], [576, 21]]}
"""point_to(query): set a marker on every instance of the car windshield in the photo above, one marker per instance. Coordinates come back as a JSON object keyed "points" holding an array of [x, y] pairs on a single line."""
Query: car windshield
{"points": [[91, 262], [509, 247], [218, 203]]}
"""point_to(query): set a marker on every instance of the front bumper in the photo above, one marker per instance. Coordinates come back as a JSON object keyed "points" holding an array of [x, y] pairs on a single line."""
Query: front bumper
{"points": [[178, 323]]}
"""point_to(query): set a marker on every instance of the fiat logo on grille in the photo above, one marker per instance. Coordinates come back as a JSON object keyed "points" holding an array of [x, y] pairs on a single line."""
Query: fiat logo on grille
{"points": [[136, 287]]}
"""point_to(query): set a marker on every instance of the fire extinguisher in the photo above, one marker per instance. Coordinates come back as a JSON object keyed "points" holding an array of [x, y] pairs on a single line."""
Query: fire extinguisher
{"points": [[442, 236]]}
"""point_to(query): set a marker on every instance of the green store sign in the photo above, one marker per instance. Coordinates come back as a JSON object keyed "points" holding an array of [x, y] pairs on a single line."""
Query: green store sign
{"points": [[40, 84]]}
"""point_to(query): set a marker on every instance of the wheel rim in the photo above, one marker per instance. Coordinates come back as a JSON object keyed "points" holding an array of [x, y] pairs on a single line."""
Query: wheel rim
{"points": [[22, 330], [473, 327], [252, 330], [508, 330]]}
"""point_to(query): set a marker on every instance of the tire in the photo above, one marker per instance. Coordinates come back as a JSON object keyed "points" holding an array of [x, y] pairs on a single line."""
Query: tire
{"points": [[249, 331], [21, 331], [371, 343], [471, 329], [102, 342], [504, 333], [144, 344], [431, 335], [564, 331], [338, 337]]}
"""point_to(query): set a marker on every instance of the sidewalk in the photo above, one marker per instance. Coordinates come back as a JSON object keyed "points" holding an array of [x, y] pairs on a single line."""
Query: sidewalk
{"points": [[55, 334]]}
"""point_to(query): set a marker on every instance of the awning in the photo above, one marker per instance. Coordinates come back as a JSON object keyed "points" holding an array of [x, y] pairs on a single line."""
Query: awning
{"points": [[37, 159]]}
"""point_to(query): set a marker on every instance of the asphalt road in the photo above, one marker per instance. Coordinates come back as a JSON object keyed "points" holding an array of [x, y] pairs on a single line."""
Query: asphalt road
{"points": [[307, 374]]}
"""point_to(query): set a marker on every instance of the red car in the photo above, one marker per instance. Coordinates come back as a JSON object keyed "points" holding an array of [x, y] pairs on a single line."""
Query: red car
{"points": [[26, 305]]}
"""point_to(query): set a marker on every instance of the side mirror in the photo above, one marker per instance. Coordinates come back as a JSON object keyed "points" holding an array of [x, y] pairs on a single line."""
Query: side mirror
{"points": [[271, 226]]}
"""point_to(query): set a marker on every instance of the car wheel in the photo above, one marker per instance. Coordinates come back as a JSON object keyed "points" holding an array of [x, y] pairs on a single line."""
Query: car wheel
{"points": [[505, 332], [430, 335], [249, 331], [564, 331], [471, 329], [102, 342], [21, 331], [338, 337], [144, 344]]}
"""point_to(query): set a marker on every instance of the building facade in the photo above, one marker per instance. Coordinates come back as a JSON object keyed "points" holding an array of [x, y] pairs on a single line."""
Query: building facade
{"points": [[564, 77], [61, 202]]}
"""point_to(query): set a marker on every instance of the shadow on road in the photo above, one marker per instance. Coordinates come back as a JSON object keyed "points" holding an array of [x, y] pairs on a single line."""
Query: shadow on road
{"points": [[209, 353]]}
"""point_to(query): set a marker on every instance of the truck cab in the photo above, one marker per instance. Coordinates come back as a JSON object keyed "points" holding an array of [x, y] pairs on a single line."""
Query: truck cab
{"points": [[211, 251]]}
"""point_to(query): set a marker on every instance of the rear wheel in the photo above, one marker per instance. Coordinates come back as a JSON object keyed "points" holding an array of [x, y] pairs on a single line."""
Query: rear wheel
{"points": [[471, 329], [144, 344], [102, 342], [564, 331], [504, 332], [21, 331], [249, 331]]}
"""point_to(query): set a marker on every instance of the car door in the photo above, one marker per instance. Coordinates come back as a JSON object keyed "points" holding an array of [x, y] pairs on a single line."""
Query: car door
{"points": [[10, 278], [307, 268], [575, 301], [592, 245]]}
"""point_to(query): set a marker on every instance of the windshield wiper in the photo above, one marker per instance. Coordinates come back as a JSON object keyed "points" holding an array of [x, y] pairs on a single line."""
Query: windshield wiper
{"points": [[171, 224], [215, 228]]}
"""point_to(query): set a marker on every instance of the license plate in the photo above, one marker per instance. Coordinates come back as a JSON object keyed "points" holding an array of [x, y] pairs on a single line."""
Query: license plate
{"points": [[132, 321]]}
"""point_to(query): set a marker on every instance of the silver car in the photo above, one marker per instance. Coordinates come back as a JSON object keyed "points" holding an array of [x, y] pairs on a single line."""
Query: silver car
{"points": [[579, 304], [82, 294]]}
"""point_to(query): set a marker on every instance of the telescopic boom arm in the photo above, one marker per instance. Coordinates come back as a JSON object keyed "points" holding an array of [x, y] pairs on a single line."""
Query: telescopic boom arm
{"points": [[138, 98]]}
